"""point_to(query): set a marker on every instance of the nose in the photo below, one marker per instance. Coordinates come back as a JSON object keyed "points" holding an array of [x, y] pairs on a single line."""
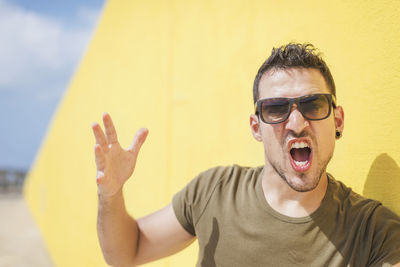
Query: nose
{"points": [[296, 121]]}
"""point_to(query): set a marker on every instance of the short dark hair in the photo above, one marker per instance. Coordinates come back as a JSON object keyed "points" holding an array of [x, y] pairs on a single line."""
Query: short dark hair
{"points": [[294, 55]]}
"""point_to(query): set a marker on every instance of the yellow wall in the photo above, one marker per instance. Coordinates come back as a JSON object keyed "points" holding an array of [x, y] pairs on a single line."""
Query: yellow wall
{"points": [[184, 69]]}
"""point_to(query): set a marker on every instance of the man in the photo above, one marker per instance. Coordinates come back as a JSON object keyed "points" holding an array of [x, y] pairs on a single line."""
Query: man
{"points": [[289, 212]]}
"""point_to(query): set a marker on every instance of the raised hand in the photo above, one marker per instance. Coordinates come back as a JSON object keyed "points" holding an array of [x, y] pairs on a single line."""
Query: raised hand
{"points": [[114, 164]]}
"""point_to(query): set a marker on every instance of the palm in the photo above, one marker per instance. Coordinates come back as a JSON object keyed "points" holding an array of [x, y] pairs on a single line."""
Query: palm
{"points": [[119, 162], [114, 164]]}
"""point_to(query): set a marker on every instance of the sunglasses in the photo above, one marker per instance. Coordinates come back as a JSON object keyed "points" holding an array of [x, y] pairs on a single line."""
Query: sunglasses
{"points": [[313, 107]]}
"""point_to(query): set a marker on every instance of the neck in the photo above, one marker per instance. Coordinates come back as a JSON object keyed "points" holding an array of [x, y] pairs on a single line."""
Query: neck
{"points": [[287, 201]]}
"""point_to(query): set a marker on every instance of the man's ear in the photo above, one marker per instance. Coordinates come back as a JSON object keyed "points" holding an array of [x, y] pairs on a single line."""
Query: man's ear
{"points": [[255, 127], [339, 119]]}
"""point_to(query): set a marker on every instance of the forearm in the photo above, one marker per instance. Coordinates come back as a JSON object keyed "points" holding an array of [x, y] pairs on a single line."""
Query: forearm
{"points": [[117, 231]]}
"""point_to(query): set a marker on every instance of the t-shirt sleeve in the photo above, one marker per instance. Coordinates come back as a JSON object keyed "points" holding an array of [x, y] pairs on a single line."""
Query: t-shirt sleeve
{"points": [[386, 241], [190, 203]]}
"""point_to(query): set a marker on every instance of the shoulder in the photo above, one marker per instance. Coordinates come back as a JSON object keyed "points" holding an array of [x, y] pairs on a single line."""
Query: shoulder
{"points": [[190, 203], [375, 215], [222, 176], [355, 201], [349, 199], [205, 184], [380, 227], [229, 171], [357, 209]]}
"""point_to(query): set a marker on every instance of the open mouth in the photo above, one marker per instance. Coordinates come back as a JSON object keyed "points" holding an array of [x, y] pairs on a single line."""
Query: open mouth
{"points": [[300, 155]]}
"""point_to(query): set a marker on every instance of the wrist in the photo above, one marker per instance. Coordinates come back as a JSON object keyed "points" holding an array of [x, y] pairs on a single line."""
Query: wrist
{"points": [[110, 197]]}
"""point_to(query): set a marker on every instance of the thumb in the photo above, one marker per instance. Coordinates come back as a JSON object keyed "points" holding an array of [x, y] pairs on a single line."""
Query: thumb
{"points": [[138, 141]]}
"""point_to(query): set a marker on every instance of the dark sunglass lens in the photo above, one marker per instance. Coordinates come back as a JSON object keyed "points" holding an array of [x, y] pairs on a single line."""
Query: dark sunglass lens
{"points": [[315, 107], [274, 110]]}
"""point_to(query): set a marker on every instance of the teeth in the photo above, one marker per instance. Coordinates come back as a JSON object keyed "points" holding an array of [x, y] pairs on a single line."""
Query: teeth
{"points": [[300, 163], [299, 145]]}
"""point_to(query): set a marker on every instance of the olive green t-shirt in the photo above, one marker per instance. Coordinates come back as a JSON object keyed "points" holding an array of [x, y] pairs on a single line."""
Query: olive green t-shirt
{"points": [[226, 210]]}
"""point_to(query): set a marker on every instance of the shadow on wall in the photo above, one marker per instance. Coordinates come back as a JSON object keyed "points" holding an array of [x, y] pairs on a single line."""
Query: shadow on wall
{"points": [[383, 182]]}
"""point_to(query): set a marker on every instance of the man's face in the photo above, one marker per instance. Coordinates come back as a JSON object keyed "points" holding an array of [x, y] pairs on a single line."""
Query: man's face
{"points": [[284, 142]]}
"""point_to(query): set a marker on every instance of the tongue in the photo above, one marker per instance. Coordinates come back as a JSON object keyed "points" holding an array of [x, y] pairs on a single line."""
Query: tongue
{"points": [[300, 154]]}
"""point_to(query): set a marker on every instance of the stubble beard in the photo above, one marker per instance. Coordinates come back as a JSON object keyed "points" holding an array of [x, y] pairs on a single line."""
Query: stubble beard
{"points": [[301, 188]]}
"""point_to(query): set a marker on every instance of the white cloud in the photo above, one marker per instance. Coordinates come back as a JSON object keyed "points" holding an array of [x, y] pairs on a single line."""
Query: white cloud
{"points": [[38, 52]]}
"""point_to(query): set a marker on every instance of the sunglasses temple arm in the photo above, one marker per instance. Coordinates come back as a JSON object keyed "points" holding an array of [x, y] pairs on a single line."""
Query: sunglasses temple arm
{"points": [[334, 101]]}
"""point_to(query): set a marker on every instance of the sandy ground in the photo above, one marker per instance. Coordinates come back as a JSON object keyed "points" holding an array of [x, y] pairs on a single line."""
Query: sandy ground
{"points": [[20, 241]]}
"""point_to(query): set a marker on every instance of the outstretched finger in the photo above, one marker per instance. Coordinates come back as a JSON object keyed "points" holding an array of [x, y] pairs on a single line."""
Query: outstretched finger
{"points": [[100, 137], [111, 134], [138, 141], [100, 157]]}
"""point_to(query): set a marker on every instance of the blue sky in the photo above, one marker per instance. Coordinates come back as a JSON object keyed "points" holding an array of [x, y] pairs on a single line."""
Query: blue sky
{"points": [[41, 43]]}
